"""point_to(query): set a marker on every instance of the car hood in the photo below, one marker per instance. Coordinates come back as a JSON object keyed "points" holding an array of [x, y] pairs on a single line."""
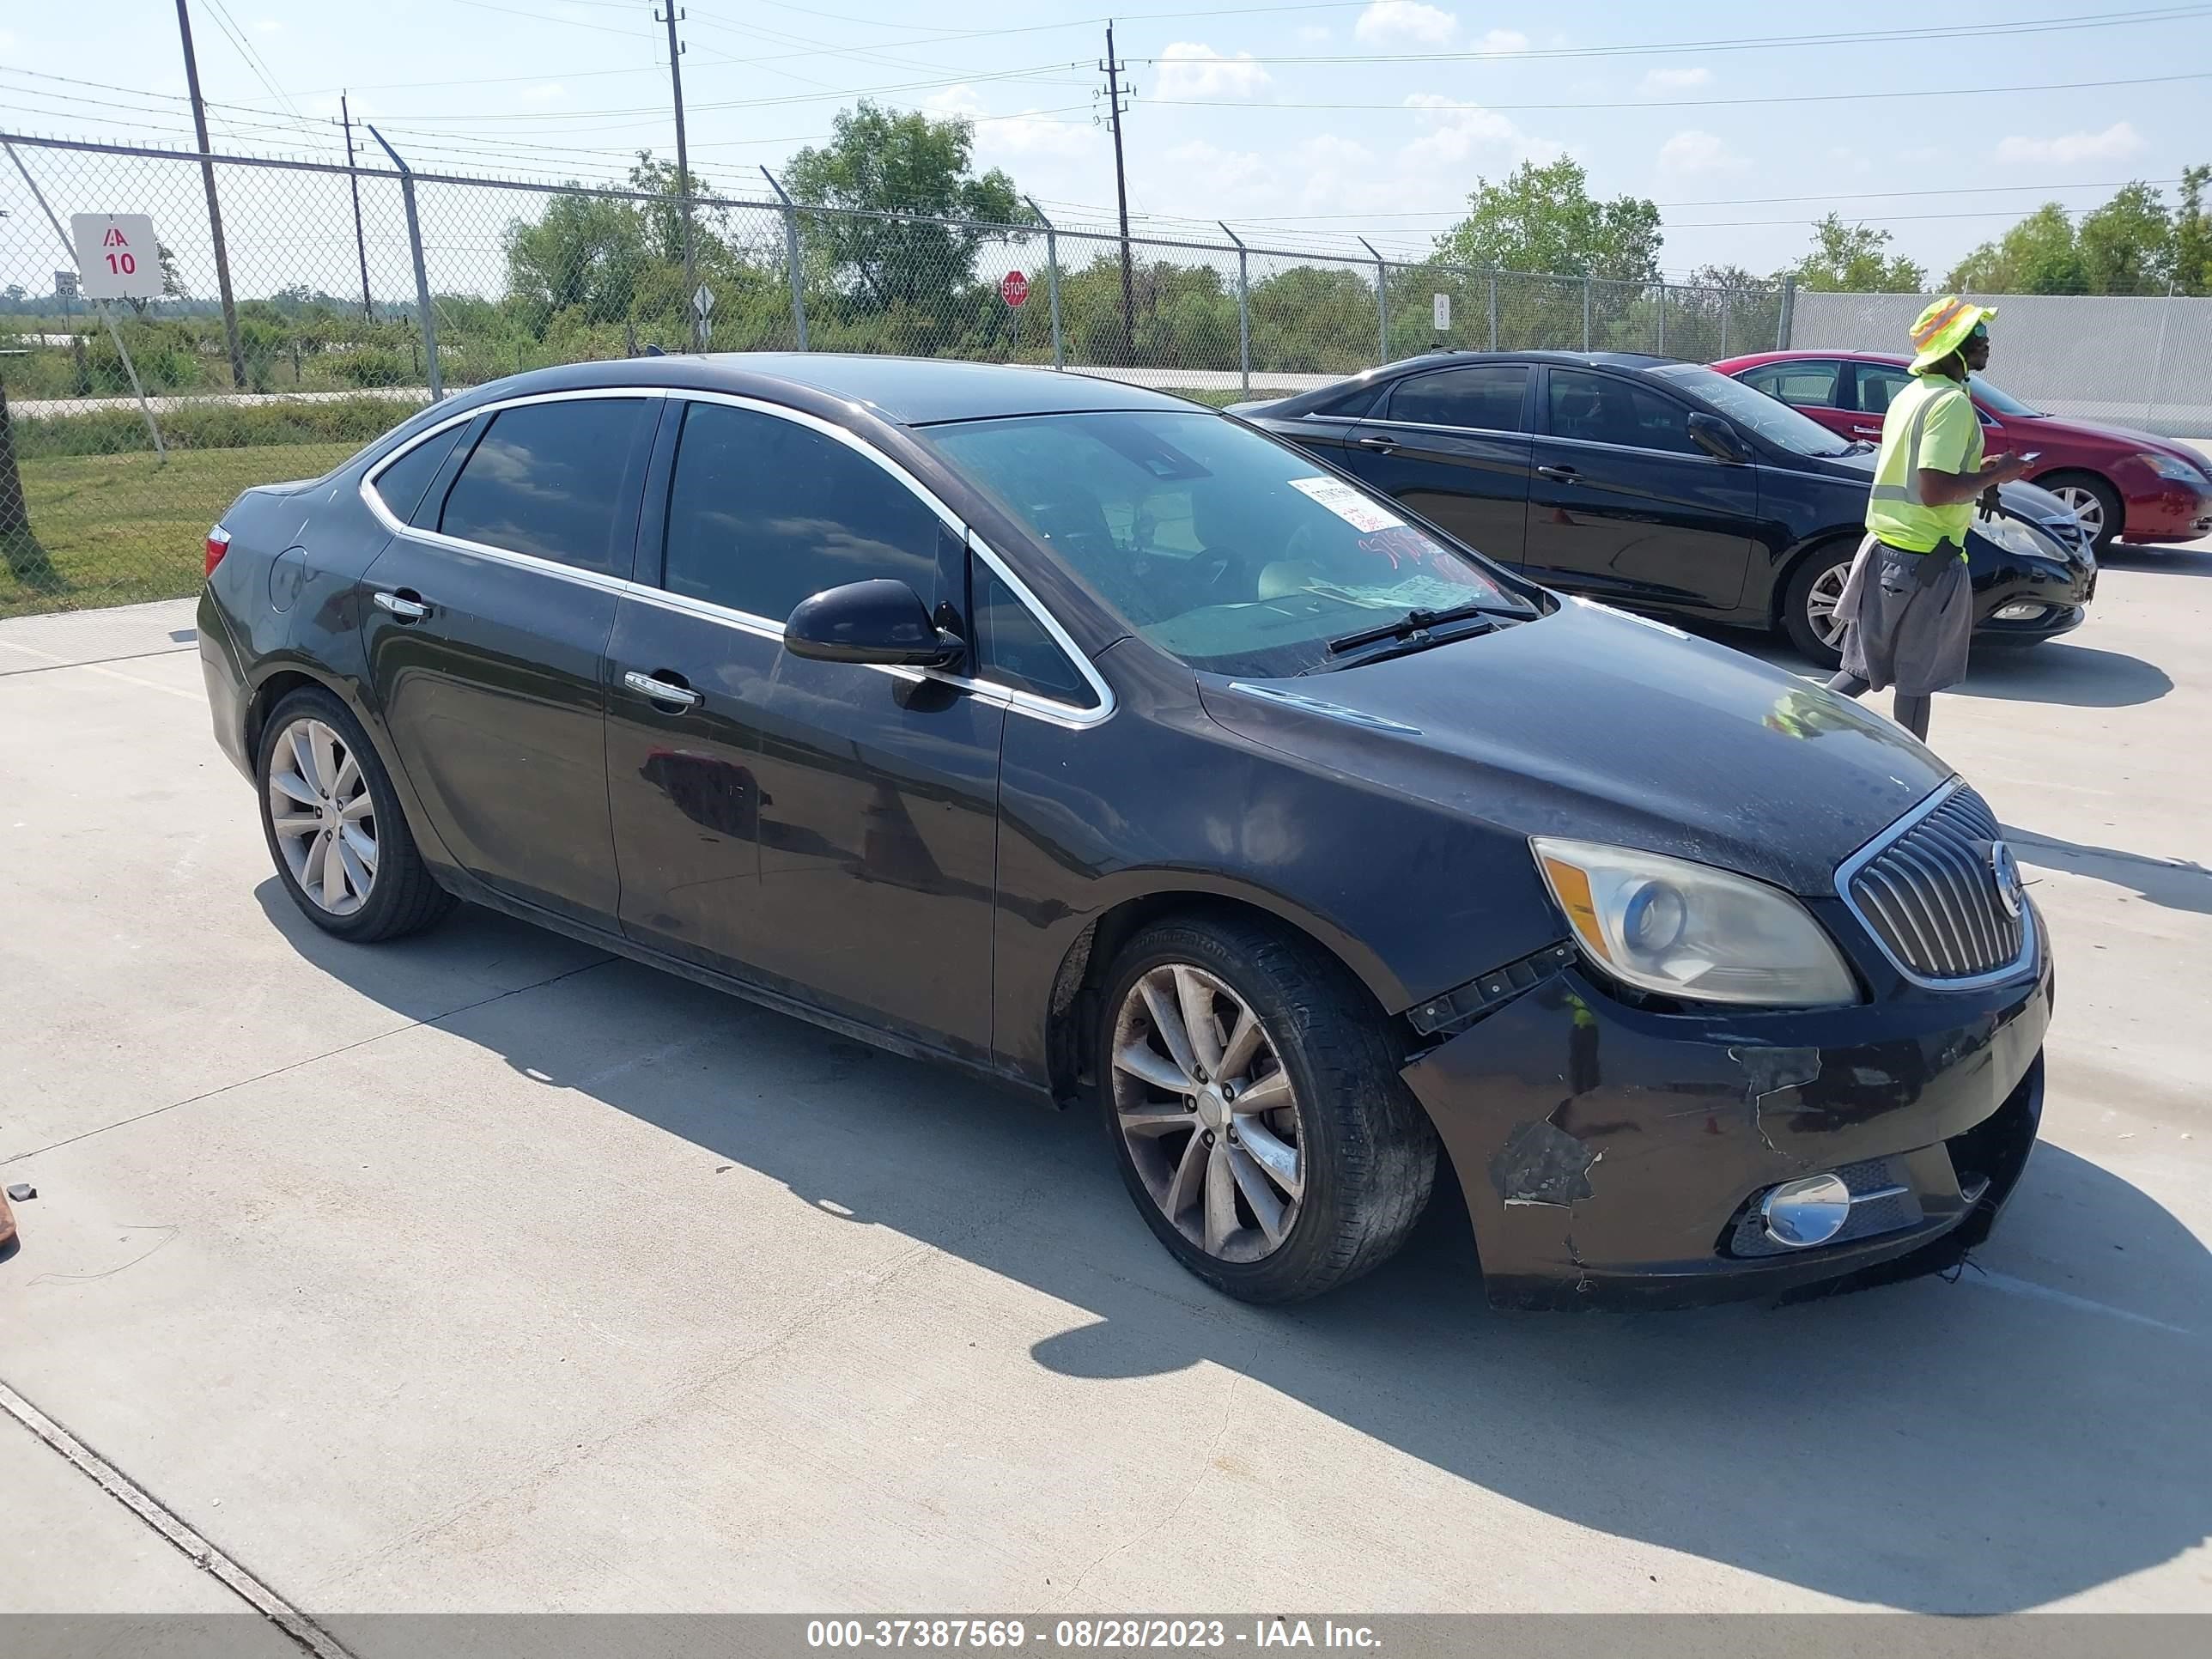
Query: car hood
{"points": [[1595, 724], [2023, 500]]}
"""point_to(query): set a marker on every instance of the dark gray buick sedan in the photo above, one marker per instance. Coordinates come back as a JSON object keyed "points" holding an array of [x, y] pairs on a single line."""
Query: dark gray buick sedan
{"points": [[1112, 747]]}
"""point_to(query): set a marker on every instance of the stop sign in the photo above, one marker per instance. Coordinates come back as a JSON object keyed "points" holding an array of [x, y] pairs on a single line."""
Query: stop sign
{"points": [[1015, 288]]}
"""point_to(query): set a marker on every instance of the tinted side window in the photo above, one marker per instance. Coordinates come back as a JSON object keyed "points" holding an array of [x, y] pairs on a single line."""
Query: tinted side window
{"points": [[1803, 386], [1012, 648], [1878, 385], [546, 479], [763, 512], [403, 483], [1351, 403], [1601, 409], [1488, 397]]}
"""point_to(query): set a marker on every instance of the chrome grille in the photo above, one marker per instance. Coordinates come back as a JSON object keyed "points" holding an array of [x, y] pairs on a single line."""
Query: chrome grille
{"points": [[1931, 895]]}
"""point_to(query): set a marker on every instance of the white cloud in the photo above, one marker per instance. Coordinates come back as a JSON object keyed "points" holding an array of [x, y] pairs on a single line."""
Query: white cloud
{"points": [[1193, 69], [1405, 20], [1501, 43], [1677, 80], [1222, 169], [545, 95], [1025, 134], [1694, 150], [1313, 33], [1459, 132], [2115, 144]]}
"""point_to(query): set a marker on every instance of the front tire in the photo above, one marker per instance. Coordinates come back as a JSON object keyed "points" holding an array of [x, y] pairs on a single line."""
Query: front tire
{"points": [[1809, 603], [334, 827], [2094, 502], [1256, 1111]]}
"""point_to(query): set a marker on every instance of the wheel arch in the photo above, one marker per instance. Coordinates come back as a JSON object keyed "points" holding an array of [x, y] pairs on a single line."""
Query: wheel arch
{"points": [[1071, 1012], [1804, 553], [279, 679], [2061, 475]]}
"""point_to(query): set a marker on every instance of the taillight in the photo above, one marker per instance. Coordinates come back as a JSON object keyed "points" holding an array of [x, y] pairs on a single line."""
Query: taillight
{"points": [[218, 544]]}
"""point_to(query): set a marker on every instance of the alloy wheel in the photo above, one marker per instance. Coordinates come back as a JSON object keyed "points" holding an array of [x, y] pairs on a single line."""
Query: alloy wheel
{"points": [[2086, 507], [1821, 599], [323, 816], [1208, 1113]]}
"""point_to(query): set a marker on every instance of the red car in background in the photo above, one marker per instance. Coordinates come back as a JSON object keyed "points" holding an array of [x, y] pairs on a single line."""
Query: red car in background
{"points": [[2119, 483]]}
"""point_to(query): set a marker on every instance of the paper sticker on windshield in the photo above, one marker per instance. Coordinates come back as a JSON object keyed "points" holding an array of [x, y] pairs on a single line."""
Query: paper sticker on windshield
{"points": [[1348, 504]]}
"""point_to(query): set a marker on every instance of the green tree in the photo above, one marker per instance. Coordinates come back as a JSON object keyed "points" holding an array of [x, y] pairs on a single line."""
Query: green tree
{"points": [[1544, 219], [2127, 244], [2039, 255], [1853, 259], [584, 253], [879, 163], [2192, 233]]}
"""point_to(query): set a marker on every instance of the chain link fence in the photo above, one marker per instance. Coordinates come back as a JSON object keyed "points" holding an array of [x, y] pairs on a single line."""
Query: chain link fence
{"points": [[361, 293]]}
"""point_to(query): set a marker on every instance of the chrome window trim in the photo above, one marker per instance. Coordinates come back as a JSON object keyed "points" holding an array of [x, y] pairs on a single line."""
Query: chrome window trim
{"points": [[1447, 427], [1851, 866], [1020, 701]]}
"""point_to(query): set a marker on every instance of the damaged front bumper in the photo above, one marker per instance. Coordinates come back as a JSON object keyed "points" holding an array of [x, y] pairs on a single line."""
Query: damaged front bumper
{"points": [[1613, 1156]]}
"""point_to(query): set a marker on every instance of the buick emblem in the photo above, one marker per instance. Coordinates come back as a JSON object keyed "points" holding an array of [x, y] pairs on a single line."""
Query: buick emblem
{"points": [[2006, 869]]}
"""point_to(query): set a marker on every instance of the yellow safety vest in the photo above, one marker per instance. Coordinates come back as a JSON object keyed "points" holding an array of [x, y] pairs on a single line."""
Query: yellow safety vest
{"points": [[1895, 511]]}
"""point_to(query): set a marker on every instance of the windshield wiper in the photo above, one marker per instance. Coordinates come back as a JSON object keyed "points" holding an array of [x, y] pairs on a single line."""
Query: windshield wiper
{"points": [[1417, 621]]}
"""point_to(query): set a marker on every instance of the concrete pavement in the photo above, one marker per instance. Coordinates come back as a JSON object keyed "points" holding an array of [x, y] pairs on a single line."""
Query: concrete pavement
{"points": [[481, 1272]]}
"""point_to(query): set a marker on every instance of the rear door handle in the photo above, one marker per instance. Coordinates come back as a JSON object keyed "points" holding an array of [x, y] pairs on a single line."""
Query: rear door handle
{"points": [[1380, 446], [1865, 432], [1558, 474], [403, 605], [662, 689]]}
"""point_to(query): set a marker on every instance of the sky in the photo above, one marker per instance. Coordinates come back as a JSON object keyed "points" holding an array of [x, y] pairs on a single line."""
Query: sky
{"points": [[1303, 124]]}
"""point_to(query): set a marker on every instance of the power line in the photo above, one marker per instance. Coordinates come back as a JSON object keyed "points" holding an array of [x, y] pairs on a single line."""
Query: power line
{"points": [[1620, 105], [2066, 24]]}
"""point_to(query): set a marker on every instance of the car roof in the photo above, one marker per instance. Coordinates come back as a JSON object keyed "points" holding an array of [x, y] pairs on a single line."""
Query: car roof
{"points": [[910, 391], [1300, 402]]}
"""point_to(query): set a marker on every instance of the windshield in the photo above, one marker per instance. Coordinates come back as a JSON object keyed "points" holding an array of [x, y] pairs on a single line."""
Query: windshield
{"points": [[2003, 402], [1769, 417], [1217, 545]]}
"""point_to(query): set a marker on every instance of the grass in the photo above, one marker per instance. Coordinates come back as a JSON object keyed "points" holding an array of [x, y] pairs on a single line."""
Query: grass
{"points": [[119, 528]]}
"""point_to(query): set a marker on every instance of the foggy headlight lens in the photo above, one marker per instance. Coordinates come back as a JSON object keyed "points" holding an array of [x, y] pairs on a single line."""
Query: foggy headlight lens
{"points": [[1691, 931], [2172, 466]]}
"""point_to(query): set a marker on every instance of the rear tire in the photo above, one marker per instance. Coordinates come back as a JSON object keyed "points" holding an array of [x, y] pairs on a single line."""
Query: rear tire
{"points": [[1808, 604], [2094, 501], [335, 831], [1322, 1184]]}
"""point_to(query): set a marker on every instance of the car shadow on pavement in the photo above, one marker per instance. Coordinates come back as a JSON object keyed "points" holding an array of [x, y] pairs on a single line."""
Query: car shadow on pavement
{"points": [[2194, 559], [2001, 1441], [2176, 884]]}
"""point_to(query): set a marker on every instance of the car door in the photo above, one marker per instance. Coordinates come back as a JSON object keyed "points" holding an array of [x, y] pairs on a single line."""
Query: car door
{"points": [[827, 829], [486, 634], [1817, 386], [1453, 445], [1624, 504], [1868, 389]]}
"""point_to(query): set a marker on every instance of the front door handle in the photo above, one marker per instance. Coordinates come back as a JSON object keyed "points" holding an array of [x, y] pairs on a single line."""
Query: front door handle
{"points": [[1380, 446], [662, 689], [403, 605], [1558, 474]]}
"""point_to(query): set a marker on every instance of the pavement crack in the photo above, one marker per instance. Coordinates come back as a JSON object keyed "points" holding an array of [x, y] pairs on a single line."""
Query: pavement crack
{"points": [[310, 1059]]}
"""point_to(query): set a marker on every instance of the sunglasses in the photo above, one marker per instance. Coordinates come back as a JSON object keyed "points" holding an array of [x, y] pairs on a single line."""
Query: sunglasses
{"points": [[1979, 332]]}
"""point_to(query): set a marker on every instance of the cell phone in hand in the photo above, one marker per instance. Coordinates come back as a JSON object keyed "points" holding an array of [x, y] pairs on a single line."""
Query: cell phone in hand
{"points": [[2031, 457]]}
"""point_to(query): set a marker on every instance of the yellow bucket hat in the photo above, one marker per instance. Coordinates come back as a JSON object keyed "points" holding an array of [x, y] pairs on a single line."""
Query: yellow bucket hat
{"points": [[1943, 327]]}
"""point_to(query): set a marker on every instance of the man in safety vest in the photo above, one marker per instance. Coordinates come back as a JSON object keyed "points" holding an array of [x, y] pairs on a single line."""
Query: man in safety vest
{"points": [[1908, 608]]}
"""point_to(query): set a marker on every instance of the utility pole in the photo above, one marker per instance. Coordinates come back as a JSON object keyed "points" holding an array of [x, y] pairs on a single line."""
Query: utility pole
{"points": [[361, 246], [215, 212], [682, 165], [1112, 67]]}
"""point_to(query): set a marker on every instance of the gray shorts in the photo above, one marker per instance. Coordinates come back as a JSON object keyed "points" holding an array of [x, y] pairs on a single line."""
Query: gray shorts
{"points": [[1899, 634]]}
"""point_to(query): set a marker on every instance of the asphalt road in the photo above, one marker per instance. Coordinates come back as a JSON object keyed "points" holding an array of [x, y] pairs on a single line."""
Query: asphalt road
{"points": [[484, 1272]]}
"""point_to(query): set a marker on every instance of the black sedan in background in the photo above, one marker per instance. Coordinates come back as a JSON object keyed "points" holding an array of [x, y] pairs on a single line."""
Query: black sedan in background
{"points": [[1109, 747], [1661, 486]]}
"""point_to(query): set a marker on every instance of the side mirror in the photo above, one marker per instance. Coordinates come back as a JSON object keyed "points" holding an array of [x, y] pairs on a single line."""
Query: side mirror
{"points": [[1717, 438], [875, 622]]}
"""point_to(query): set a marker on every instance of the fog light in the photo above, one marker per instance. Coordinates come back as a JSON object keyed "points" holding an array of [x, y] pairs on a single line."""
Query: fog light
{"points": [[2025, 611], [1802, 1213]]}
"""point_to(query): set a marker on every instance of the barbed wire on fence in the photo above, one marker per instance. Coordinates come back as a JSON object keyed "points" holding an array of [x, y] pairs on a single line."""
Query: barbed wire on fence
{"points": [[361, 290]]}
